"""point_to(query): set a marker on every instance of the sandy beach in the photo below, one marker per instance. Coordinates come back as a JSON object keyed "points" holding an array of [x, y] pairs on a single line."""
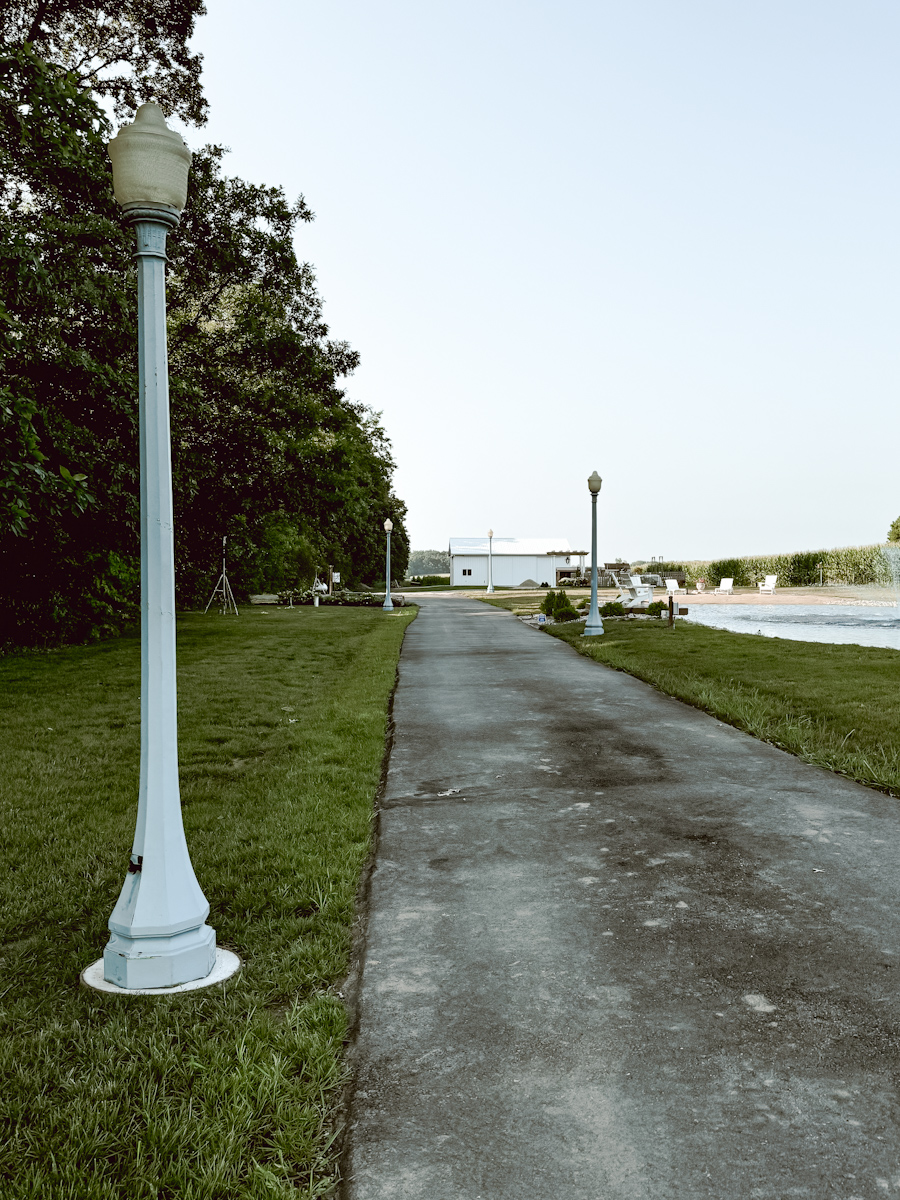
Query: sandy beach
{"points": [[866, 595]]}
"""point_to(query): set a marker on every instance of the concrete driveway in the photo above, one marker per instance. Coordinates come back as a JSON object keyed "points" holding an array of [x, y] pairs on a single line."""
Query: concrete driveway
{"points": [[615, 949]]}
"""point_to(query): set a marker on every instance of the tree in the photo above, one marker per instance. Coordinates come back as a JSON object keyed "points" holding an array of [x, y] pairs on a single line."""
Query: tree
{"points": [[260, 426], [127, 51], [894, 531], [266, 447], [67, 315], [426, 562]]}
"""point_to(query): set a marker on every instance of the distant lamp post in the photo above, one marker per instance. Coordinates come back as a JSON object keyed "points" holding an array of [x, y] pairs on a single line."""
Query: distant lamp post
{"points": [[490, 586], [160, 938], [593, 625], [387, 606]]}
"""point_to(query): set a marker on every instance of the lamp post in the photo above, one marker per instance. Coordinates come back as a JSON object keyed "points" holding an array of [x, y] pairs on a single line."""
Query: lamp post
{"points": [[387, 606], [490, 585], [593, 626], [160, 938]]}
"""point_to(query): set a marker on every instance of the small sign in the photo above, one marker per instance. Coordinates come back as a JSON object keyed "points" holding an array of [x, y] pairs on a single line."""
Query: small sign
{"points": [[336, 576], [542, 620]]}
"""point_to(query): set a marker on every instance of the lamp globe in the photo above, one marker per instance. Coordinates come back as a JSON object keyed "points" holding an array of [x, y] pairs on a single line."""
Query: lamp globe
{"points": [[150, 162]]}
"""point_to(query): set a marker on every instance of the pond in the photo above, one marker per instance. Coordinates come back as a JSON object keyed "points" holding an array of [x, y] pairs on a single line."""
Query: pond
{"points": [[860, 625]]}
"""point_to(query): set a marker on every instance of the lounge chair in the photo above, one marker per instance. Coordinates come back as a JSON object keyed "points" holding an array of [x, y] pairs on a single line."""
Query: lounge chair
{"points": [[725, 588], [672, 588], [769, 585]]}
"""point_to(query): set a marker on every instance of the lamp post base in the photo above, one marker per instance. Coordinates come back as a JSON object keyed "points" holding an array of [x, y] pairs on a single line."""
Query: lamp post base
{"points": [[226, 965], [159, 962], [592, 630]]}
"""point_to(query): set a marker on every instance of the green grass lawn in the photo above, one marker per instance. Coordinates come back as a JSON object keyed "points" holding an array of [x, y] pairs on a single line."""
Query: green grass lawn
{"points": [[226, 1093], [836, 706]]}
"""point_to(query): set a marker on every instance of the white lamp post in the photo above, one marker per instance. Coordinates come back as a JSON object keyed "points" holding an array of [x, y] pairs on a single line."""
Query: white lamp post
{"points": [[593, 626], [387, 606], [160, 938], [490, 585]]}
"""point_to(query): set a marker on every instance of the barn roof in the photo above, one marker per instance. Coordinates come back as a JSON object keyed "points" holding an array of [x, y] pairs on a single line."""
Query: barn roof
{"points": [[511, 546]]}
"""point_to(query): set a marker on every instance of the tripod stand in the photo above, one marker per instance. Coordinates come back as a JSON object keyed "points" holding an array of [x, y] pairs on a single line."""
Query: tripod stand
{"points": [[222, 592]]}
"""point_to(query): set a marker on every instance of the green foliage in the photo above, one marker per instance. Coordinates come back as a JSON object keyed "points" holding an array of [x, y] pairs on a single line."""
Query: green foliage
{"points": [[259, 425], [558, 606], [894, 531], [432, 580], [425, 561], [656, 608], [612, 608], [266, 447], [277, 556], [230, 1091], [116, 49], [68, 431], [729, 568], [340, 598], [848, 565]]}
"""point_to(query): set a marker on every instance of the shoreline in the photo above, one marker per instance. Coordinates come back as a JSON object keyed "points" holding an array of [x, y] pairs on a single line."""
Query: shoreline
{"points": [[865, 596]]}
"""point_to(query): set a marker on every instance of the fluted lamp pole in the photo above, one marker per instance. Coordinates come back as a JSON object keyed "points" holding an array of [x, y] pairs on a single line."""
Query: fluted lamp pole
{"points": [[387, 606], [490, 585], [159, 936], [593, 626]]}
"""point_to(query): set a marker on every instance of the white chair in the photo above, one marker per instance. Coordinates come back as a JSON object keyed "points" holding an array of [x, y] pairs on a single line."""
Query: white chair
{"points": [[635, 593], [725, 588], [769, 585], [672, 588]]}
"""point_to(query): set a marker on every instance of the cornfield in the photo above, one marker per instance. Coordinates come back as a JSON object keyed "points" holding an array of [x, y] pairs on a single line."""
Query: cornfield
{"points": [[853, 565]]}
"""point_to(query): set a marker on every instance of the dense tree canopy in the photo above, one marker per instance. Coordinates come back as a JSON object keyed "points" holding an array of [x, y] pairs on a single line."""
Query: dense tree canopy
{"points": [[266, 447], [126, 50]]}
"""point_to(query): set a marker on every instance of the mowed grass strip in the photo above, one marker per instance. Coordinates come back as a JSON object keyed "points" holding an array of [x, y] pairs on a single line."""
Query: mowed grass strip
{"points": [[223, 1093], [835, 706]]}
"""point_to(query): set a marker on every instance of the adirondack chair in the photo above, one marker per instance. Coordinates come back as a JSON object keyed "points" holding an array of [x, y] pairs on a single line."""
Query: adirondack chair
{"points": [[768, 585], [725, 588], [635, 593], [672, 588]]}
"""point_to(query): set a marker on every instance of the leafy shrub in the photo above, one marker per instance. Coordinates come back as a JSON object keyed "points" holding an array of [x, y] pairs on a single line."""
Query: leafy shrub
{"points": [[340, 598], [558, 606], [894, 531], [613, 608], [656, 608]]}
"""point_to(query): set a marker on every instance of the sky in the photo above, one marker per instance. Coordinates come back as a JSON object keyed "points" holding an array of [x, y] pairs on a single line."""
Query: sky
{"points": [[650, 239]]}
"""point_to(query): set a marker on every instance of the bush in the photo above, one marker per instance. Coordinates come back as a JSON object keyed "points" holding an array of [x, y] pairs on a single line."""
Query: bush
{"points": [[558, 606], [340, 598], [656, 608], [548, 604], [613, 608]]}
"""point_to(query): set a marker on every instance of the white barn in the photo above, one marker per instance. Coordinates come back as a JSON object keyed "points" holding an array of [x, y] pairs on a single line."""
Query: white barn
{"points": [[515, 562]]}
